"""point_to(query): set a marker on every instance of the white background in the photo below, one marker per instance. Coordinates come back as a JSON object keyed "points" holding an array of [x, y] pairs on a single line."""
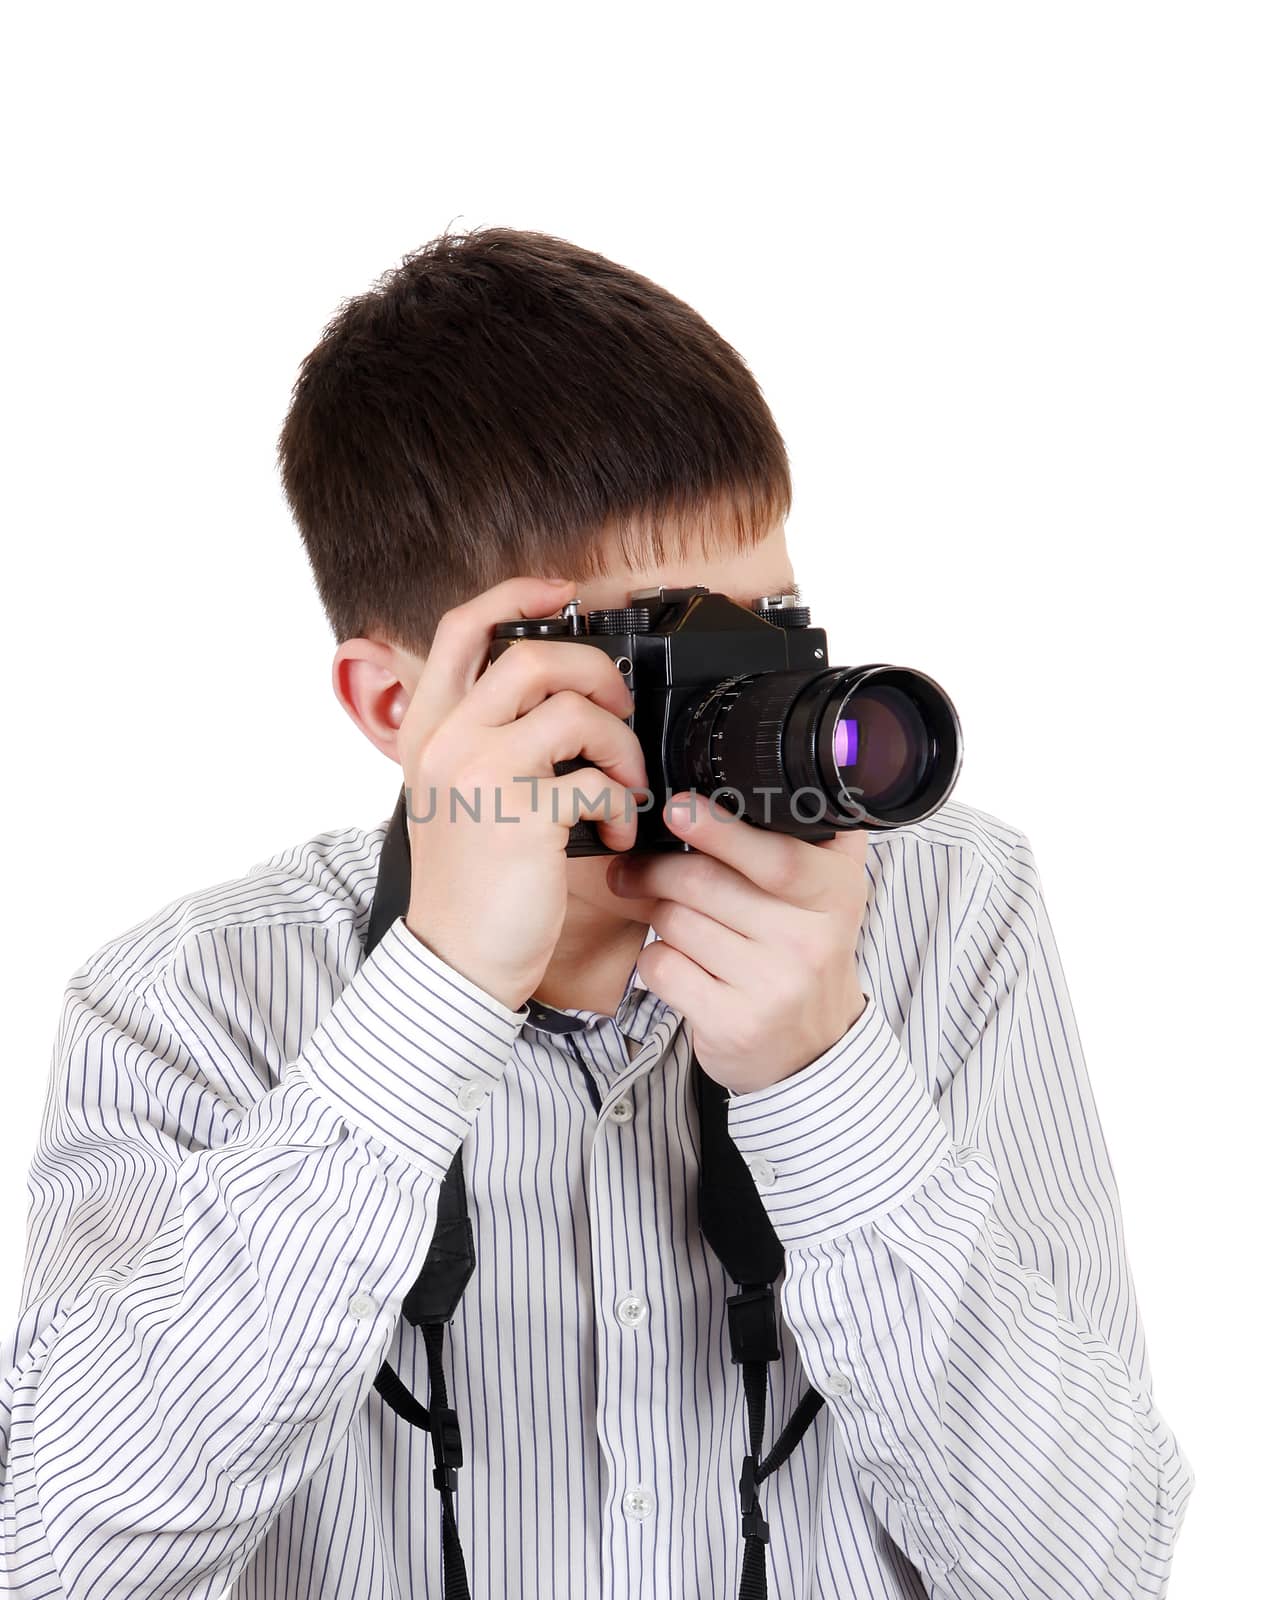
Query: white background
{"points": [[998, 269]]}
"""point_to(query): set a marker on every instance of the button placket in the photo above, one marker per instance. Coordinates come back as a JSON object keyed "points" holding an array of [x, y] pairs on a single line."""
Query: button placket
{"points": [[625, 1322]]}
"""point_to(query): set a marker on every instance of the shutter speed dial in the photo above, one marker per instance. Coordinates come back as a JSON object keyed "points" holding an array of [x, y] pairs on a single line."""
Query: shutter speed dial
{"points": [[786, 617], [782, 610], [628, 619]]}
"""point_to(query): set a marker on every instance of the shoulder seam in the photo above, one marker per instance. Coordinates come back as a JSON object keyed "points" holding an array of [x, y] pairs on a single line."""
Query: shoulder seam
{"points": [[141, 955], [956, 826]]}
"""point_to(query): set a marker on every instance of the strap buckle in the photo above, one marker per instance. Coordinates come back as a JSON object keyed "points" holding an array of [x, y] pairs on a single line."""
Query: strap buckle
{"points": [[445, 1438], [753, 1324], [753, 1524]]}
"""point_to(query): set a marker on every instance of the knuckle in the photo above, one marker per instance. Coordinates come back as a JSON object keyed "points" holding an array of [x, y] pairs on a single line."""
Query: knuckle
{"points": [[448, 625], [786, 992], [650, 961], [527, 662], [589, 789], [456, 623], [609, 671], [810, 946], [564, 708], [782, 875]]}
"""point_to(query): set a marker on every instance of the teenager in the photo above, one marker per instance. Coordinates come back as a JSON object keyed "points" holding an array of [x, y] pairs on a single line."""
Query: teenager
{"points": [[251, 1113]]}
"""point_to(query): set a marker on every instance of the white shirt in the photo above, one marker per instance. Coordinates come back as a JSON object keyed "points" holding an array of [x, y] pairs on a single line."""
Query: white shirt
{"points": [[235, 1185]]}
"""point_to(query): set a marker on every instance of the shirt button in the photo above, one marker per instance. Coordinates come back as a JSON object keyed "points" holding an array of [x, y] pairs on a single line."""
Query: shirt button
{"points": [[639, 1503], [631, 1311], [763, 1172], [838, 1383], [362, 1307], [621, 1111], [471, 1096]]}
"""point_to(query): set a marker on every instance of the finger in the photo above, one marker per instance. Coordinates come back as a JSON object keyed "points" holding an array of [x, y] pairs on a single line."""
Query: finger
{"points": [[685, 986], [589, 796], [701, 882], [533, 669], [567, 725], [789, 869], [717, 949], [458, 651]]}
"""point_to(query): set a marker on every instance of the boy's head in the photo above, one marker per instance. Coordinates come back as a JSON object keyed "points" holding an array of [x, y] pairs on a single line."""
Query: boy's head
{"points": [[506, 403]]}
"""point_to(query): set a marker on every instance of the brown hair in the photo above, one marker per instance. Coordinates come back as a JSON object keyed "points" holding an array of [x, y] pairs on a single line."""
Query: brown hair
{"points": [[496, 405]]}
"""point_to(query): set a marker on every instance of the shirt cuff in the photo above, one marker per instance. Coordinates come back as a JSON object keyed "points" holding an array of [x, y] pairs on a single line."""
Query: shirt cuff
{"points": [[410, 1050], [843, 1140]]}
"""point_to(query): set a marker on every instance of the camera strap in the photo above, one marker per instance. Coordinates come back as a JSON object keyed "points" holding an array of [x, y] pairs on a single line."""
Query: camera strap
{"points": [[733, 1223]]}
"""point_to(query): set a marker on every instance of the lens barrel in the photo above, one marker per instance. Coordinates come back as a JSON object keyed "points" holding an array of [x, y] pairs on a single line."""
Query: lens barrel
{"points": [[870, 747]]}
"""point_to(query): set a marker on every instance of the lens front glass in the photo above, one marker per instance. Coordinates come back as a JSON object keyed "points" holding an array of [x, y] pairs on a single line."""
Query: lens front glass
{"points": [[881, 746]]}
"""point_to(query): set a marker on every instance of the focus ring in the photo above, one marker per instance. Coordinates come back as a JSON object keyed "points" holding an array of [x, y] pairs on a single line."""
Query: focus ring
{"points": [[754, 728], [733, 737]]}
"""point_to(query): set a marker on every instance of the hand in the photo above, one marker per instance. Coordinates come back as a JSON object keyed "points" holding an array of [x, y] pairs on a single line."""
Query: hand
{"points": [[489, 890], [757, 939]]}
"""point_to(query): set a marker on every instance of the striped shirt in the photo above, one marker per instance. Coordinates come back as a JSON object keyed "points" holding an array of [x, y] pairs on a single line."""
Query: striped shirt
{"points": [[236, 1182]]}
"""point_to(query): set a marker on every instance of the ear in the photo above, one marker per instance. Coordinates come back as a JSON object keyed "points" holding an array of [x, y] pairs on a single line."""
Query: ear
{"points": [[373, 683]]}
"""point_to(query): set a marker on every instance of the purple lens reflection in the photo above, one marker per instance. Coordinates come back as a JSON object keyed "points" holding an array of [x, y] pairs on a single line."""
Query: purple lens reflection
{"points": [[845, 742]]}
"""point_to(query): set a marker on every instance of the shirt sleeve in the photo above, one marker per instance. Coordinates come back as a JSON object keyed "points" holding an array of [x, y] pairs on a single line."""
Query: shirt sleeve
{"points": [[210, 1290], [956, 1280]]}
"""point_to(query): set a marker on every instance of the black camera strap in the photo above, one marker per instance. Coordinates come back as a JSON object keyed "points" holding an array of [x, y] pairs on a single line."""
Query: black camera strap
{"points": [[736, 1226], [733, 1223]]}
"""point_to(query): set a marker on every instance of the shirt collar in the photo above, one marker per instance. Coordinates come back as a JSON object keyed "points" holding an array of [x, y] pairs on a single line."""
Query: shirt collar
{"points": [[638, 1010]]}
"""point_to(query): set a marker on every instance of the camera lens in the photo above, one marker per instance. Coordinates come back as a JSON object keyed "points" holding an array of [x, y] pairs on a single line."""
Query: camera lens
{"points": [[874, 746], [881, 747]]}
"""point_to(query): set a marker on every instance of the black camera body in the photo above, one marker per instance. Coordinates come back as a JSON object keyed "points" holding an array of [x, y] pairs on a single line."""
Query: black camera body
{"points": [[739, 704]]}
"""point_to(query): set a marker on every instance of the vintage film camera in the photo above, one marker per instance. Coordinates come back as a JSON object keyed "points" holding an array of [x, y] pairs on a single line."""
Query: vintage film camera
{"points": [[738, 703]]}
